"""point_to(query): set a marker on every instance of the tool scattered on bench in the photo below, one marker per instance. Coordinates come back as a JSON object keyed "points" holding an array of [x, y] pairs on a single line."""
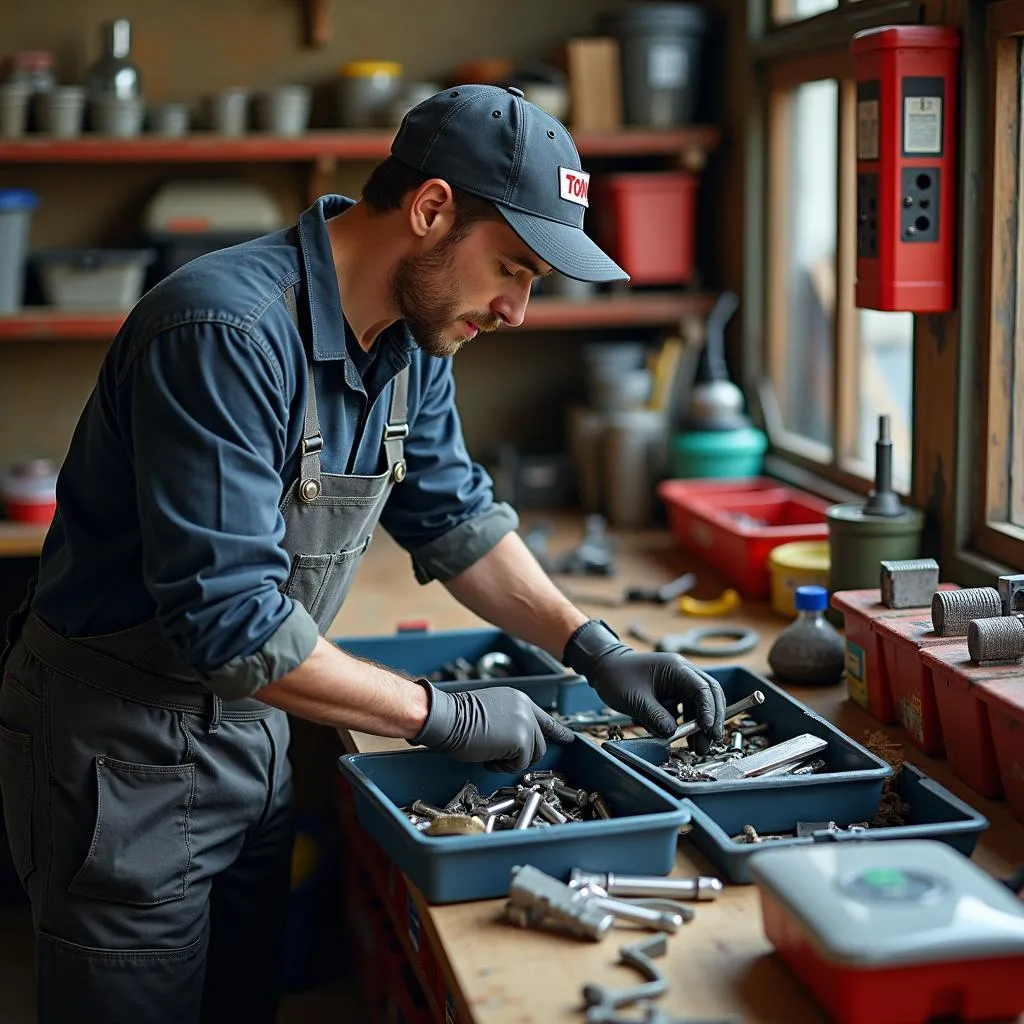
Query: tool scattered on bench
{"points": [[704, 641], [664, 594], [593, 556], [699, 887]]}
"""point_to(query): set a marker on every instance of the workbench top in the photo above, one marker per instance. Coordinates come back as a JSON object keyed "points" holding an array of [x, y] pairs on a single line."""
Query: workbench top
{"points": [[720, 966]]}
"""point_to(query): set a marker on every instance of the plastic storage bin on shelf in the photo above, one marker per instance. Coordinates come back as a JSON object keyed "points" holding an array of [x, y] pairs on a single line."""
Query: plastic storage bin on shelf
{"points": [[934, 813], [866, 676], [640, 838], [647, 223], [1005, 700], [964, 714], [849, 788], [93, 278], [903, 640], [734, 524], [422, 653]]}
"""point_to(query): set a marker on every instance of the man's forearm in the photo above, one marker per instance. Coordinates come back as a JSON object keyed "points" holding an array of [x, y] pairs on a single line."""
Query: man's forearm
{"points": [[508, 587], [333, 688]]}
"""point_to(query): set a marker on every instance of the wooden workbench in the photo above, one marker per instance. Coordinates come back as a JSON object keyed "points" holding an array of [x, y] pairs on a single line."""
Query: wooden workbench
{"points": [[720, 965]]}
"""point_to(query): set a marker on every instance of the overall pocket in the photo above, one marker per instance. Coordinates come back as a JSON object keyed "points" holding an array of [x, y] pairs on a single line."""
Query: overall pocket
{"points": [[17, 787], [139, 853], [320, 583]]}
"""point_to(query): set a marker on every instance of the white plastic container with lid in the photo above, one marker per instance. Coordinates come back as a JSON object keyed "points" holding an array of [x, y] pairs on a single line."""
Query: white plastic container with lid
{"points": [[93, 278]]}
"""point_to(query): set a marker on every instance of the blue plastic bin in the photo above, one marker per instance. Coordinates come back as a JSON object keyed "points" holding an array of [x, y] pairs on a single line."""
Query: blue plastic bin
{"points": [[935, 813], [420, 653], [640, 837], [850, 788]]}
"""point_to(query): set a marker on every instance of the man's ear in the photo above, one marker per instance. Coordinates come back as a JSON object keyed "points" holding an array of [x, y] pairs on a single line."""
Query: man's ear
{"points": [[432, 210]]}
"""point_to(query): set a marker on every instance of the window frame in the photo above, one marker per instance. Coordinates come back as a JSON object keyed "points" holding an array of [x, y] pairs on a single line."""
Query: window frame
{"points": [[993, 533]]}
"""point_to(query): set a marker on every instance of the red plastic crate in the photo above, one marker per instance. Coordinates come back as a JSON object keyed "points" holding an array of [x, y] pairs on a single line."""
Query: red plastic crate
{"points": [[734, 524], [959, 685], [1005, 700], [866, 677], [913, 693], [647, 223], [967, 990]]}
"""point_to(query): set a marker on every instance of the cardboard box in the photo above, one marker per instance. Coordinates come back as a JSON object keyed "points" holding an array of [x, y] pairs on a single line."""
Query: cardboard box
{"points": [[595, 83]]}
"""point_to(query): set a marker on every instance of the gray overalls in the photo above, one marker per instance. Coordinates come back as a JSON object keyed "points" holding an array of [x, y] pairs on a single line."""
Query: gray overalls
{"points": [[149, 820]]}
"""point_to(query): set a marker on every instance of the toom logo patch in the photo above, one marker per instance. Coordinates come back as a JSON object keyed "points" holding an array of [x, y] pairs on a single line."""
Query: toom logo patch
{"points": [[574, 185]]}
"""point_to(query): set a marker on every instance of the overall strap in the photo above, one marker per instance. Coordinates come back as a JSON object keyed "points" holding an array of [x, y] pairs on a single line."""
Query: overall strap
{"points": [[397, 428], [312, 439]]}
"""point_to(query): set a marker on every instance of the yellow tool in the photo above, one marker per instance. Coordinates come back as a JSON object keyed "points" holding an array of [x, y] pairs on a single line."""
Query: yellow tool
{"points": [[727, 602]]}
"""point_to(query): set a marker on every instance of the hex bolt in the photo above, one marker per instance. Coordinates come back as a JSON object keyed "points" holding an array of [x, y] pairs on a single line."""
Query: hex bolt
{"points": [[731, 712], [425, 810], [530, 807], [579, 797]]}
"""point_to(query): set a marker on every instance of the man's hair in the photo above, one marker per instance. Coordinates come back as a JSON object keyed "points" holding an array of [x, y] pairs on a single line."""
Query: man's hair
{"points": [[391, 180]]}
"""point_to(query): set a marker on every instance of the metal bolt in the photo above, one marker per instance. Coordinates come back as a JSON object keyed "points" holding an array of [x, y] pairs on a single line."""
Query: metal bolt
{"points": [[530, 807], [732, 711], [599, 806], [425, 810]]}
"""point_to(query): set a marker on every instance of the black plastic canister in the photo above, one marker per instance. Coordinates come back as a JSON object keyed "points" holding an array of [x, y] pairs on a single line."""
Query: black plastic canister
{"points": [[661, 46]]}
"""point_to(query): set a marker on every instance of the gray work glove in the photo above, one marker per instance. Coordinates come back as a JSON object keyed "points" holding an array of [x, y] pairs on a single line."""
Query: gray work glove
{"points": [[647, 687], [498, 727]]}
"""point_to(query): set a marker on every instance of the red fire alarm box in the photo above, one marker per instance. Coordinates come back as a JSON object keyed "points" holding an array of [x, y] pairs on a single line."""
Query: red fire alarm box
{"points": [[906, 151]]}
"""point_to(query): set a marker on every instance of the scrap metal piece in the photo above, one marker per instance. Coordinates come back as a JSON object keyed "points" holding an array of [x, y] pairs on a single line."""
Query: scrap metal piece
{"points": [[531, 805], [796, 749], [494, 665], [909, 582], [599, 806], [952, 610], [602, 1001], [996, 640], [700, 887], [732, 711], [1011, 593], [456, 825], [536, 898]]}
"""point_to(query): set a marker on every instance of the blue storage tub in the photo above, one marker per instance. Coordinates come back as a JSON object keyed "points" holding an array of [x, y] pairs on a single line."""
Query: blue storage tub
{"points": [[421, 653], [850, 787], [640, 838], [935, 813]]}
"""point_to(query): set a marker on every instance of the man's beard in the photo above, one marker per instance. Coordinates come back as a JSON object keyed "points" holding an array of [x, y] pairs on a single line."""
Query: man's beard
{"points": [[422, 288]]}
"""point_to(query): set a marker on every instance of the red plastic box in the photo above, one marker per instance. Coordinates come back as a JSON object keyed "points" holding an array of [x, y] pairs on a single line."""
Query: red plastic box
{"points": [[647, 223], [1005, 700], [959, 686], [913, 694], [734, 524]]}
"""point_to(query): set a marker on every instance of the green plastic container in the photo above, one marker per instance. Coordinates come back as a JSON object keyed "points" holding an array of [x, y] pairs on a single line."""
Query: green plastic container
{"points": [[858, 541], [717, 453]]}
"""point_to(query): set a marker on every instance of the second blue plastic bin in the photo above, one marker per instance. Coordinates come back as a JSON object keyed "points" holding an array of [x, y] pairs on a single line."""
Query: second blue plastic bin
{"points": [[850, 787], [421, 653]]}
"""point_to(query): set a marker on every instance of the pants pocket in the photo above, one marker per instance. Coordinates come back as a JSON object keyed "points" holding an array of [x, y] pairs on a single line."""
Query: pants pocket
{"points": [[17, 786], [139, 853]]}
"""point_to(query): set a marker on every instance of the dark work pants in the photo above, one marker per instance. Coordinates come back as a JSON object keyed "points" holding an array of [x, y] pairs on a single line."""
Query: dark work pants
{"points": [[155, 847]]}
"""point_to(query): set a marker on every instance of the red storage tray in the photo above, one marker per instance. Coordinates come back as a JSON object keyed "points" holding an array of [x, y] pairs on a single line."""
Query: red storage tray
{"points": [[913, 692], [959, 686], [968, 990], [1005, 700], [733, 524], [647, 223]]}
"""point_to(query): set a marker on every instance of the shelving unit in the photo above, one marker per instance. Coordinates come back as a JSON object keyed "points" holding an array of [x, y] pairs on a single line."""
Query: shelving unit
{"points": [[320, 152]]}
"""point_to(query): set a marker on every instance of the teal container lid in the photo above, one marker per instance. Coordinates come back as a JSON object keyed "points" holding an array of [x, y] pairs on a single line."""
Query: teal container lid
{"points": [[744, 441]]}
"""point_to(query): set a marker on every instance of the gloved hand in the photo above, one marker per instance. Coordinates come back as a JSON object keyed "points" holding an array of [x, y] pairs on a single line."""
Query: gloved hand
{"points": [[645, 685], [499, 727]]}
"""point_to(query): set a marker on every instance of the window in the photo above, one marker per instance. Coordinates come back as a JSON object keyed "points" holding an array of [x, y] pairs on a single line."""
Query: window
{"points": [[999, 516], [832, 369], [795, 10]]}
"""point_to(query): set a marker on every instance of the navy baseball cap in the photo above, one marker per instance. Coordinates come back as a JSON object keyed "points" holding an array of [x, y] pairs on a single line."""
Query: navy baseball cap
{"points": [[495, 144]]}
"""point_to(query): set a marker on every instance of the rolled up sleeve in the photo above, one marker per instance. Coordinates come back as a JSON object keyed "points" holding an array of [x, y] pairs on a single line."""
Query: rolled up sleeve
{"points": [[206, 409], [443, 513]]}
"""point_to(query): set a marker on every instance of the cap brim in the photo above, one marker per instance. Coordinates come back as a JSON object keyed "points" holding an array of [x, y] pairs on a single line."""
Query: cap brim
{"points": [[568, 249]]}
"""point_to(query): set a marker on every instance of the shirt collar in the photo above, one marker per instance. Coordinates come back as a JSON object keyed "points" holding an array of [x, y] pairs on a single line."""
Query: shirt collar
{"points": [[325, 313]]}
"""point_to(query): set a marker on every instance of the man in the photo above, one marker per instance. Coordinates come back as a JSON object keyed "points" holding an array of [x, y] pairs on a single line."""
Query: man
{"points": [[258, 413]]}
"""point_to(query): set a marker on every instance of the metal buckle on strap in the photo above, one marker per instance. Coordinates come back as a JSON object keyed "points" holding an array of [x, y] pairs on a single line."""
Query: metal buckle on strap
{"points": [[396, 431], [313, 445]]}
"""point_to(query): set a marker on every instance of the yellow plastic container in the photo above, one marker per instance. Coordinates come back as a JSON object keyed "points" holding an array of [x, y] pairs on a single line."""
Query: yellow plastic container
{"points": [[800, 563]]}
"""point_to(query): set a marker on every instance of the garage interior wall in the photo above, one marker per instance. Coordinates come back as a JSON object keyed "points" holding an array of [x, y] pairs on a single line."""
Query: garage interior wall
{"points": [[187, 49]]}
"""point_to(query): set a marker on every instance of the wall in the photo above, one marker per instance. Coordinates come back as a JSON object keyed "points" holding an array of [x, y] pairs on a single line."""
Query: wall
{"points": [[190, 47]]}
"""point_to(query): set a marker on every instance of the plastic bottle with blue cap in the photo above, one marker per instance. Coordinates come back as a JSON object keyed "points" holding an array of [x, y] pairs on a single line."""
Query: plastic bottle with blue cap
{"points": [[810, 650]]}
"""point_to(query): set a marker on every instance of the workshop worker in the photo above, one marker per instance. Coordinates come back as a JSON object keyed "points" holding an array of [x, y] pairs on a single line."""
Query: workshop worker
{"points": [[259, 412]]}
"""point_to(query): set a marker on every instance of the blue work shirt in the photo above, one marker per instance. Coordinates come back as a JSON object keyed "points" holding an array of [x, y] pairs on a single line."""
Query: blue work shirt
{"points": [[168, 500]]}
